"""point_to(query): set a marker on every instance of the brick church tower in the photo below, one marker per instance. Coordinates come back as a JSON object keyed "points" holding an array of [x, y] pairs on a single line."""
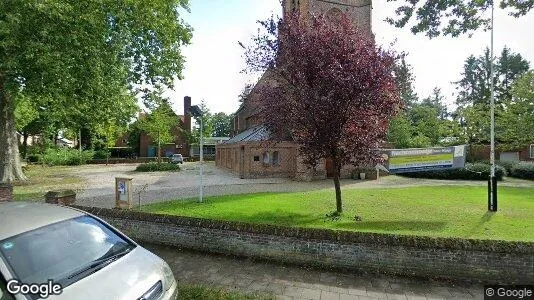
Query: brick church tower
{"points": [[359, 11]]}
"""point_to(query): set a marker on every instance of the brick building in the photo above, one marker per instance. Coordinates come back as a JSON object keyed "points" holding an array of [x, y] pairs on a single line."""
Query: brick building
{"points": [[148, 148], [249, 152]]}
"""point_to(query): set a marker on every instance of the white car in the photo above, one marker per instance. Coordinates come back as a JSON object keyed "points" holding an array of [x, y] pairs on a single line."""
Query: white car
{"points": [[176, 159], [69, 254]]}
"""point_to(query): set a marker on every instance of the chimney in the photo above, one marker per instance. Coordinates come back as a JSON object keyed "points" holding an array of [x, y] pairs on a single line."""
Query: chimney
{"points": [[187, 116]]}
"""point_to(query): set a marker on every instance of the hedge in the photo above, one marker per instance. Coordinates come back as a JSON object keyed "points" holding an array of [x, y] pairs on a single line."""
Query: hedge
{"points": [[66, 157], [154, 167], [523, 170], [472, 171]]}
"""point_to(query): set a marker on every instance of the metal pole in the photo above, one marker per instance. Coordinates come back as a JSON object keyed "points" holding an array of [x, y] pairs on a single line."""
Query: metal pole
{"points": [[201, 161], [493, 190]]}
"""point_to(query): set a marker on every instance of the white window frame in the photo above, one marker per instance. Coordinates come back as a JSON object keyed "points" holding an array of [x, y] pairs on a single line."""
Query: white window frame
{"points": [[266, 158], [276, 158]]}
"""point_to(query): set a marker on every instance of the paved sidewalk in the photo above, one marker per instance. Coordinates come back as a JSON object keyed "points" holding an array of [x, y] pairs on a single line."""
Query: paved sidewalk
{"points": [[289, 282]]}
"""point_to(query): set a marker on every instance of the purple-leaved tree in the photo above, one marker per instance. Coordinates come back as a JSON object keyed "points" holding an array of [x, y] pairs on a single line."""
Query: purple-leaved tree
{"points": [[333, 91]]}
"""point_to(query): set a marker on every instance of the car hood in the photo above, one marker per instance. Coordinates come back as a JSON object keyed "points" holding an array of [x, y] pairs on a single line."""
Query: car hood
{"points": [[127, 278]]}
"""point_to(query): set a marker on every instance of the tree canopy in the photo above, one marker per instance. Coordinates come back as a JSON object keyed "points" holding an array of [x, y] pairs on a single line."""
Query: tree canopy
{"points": [[452, 18], [80, 61], [332, 92]]}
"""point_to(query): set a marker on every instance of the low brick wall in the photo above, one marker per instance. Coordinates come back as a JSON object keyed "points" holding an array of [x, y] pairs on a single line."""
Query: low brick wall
{"points": [[6, 192], [457, 259]]}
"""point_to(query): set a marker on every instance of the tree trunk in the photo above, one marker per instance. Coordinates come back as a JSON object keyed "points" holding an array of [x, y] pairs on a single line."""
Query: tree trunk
{"points": [[10, 167], [337, 171], [24, 149], [159, 149]]}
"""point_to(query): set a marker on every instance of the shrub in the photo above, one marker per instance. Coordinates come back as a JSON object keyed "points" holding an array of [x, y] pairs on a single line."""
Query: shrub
{"points": [[472, 171], [32, 158], [507, 165], [523, 170], [154, 167], [66, 157], [102, 154]]}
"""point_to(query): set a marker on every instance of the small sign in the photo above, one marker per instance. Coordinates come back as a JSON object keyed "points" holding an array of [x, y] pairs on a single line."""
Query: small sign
{"points": [[123, 192]]}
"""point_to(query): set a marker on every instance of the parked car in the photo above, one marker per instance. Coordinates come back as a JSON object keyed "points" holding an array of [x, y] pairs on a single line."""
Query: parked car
{"points": [[177, 159], [88, 258]]}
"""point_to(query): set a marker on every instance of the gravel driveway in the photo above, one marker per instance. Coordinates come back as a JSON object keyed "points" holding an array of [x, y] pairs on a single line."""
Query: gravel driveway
{"points": [[162, 186]]}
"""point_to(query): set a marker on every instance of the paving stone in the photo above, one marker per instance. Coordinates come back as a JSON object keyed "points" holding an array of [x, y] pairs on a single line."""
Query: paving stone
{"points": [[369, 298], [439, 292], [327, 278], [358, 292], [325, 295], [411, 297], [301, 283], [293, 291], [281, 297], [396, 296], [348, 297], [311, 294], [377, 294]]}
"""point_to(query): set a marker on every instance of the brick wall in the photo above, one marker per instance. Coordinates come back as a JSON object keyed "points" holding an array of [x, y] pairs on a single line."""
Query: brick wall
{"points": [[6, 192], [457, 259]]}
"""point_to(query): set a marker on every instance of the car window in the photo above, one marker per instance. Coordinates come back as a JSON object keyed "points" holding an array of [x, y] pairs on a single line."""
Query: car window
{"points": [[55, 251]]}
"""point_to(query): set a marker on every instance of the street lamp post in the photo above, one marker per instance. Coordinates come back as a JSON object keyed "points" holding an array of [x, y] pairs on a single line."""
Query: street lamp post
{"points": [[197, 113], [492, 184], [201, 191]]}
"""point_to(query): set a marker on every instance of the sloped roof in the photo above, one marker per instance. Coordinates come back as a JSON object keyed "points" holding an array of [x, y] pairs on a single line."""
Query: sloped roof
{"points": [[253, 134]]}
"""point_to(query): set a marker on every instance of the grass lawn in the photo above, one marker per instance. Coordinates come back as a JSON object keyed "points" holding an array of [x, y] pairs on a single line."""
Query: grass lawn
{"points": [[43, 179], [200, 292], [440, 211]]}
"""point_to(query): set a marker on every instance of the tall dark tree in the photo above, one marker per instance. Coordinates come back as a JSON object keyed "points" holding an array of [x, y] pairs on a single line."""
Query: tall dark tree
{"points": [[80, 58], [446, 17], [436, 101], [332, 91], [405, 80], [474, 86]]}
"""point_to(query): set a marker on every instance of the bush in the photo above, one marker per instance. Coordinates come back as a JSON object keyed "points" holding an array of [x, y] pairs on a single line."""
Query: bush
{"points": [[474, 171], [523, 170], [32, 158], [66, 157], [154, 167], [102, 154], [507, 165]]}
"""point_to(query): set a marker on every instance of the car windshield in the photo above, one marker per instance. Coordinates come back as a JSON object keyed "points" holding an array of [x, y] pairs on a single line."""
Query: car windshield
{"points": [[61, 250]]}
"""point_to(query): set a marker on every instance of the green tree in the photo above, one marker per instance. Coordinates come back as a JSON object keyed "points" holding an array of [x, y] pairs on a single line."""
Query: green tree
{"points": [[222, 124], [516, 122], [446, 17], [159, 125], [81, 58], [207, 124], [400, 132], [405, 80], [475, 123], [474, 86], [436, 101], [426, 123]]}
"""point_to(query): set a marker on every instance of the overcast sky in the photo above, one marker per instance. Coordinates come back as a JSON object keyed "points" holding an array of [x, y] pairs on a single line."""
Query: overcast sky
{"points": [[214, 58]]}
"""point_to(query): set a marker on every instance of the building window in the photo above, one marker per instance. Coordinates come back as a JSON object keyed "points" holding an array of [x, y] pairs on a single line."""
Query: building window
{"points": [[266, 158], [532, 151], [276, 158], [256, 158]]}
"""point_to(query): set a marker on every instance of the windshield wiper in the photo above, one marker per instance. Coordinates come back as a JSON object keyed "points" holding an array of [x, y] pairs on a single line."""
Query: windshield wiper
{"points": [[99, 263]]}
